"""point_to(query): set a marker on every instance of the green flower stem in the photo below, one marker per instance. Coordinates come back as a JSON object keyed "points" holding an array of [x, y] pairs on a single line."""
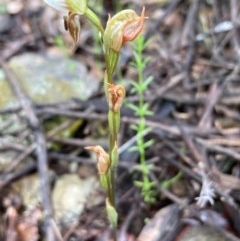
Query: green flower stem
{"points": [[94, 19], [114, 123], [109, 191], [113, 188], [106, 181]]}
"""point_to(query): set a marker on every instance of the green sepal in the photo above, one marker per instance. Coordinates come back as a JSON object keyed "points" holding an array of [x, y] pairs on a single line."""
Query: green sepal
{"points": [[104, 181], [111, 57], [111, 213], [114, 122], [117, 122], [114, 156], [111, 122]]}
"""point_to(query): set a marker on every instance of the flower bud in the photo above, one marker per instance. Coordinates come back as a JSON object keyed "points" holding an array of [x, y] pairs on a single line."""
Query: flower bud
{"points": [[75, 6], [124, 26], [102, 157]]}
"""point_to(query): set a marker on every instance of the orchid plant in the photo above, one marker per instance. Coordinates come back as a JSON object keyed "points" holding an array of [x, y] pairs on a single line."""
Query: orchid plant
{"points": [[123, 27]]}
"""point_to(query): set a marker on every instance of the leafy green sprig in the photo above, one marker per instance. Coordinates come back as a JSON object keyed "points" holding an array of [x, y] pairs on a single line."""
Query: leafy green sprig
{"points": [[141, 110]]}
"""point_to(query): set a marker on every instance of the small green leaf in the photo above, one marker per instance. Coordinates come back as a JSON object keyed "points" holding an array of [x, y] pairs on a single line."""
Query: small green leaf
{"points": [[148, 129], [146, 43], [143, 168], [133, 107], [149, 185], [146, 61], [143, 110], [134, 84], [133, 148], [145, 106], [148, 113], [148, 143], [133, 64], [133, 91], [137, 58], [148, 81], [134, 127], [138, 183], [112, 213], [167, 183]]}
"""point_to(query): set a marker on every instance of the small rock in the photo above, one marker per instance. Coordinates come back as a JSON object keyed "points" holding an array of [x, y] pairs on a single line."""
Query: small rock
{"points": [[8, 99], [203, 233], [163, 225], [29, 189], [71, 195], [49, 79]]}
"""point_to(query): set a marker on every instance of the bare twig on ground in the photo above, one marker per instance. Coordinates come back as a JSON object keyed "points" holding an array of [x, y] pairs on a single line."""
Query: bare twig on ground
{"points": [[188, 38]]}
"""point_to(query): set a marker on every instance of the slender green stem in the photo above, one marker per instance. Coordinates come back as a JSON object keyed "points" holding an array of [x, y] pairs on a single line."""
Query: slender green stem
{"points": [[113, 182], [94, 19], [113, 133]]}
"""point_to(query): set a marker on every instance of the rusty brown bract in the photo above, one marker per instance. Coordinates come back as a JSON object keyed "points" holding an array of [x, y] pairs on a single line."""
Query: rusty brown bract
{"points": [[117, 94]]}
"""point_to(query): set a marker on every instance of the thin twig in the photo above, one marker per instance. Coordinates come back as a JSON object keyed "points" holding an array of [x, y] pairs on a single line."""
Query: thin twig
{"points": [[41, 150], [188, 38], [220, 149]]}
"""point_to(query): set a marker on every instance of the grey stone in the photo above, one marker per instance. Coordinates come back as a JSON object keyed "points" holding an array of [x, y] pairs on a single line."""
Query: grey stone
{"points": [[48, 79]]}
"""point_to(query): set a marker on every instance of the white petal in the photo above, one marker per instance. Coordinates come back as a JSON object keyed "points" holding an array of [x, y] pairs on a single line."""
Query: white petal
{"points": [[59, 5], [76, 6]]}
